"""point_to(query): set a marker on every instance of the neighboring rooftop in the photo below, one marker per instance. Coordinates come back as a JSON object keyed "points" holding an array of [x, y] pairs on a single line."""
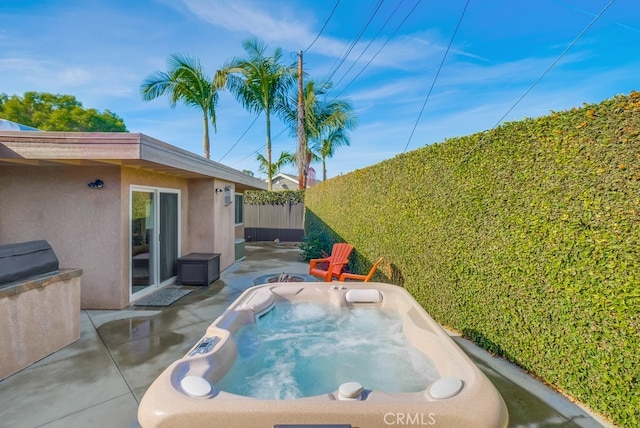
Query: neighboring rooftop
{"points": [[7, 125]]}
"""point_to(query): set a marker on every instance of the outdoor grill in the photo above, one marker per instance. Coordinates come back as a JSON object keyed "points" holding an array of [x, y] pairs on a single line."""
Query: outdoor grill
{"points": [[25, 260]]}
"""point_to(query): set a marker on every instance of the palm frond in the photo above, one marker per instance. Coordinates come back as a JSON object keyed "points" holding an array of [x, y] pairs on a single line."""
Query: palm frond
{"points": [[186, 82]]}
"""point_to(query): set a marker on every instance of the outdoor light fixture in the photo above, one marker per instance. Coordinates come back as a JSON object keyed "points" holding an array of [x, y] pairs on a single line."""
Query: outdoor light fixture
{"points": [[219, 190], [99, 184], [227, 195]]}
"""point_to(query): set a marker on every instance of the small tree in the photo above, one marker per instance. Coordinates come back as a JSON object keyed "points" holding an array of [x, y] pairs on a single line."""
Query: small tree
{"points": [[54, 112], [325, 146], [271, 169]]}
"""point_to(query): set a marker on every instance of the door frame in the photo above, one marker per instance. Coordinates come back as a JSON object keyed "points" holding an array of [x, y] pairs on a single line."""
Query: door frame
{"points": [[156, 238]]}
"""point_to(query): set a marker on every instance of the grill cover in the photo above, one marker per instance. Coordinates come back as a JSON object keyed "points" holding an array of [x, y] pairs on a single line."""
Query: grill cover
{"points": [[26, 259]]}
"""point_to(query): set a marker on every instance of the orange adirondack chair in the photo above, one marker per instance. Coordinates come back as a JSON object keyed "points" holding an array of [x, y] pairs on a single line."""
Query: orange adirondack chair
{"points": [[365, 278], [338, 258]]}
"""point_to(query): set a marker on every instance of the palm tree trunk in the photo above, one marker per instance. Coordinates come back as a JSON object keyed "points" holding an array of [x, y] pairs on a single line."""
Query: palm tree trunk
{"points": [[205, 143], [268, 115], [324, 169]]}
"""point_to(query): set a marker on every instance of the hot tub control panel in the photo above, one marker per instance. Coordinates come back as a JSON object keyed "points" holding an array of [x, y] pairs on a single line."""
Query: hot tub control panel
{"points": [[205, 345]]}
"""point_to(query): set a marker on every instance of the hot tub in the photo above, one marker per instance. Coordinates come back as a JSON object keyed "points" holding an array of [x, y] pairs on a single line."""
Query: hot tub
{"points": [[447, 388]]}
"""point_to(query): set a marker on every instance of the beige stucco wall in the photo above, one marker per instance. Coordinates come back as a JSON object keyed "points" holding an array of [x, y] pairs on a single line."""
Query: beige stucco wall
{"points": [[80, 223], [200, 217], [224, 226], [211, 222], [89, 228], [38, 317]]}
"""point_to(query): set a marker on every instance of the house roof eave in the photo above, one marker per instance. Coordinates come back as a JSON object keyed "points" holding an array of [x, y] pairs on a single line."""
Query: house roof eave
{"points": [[115, 148]]}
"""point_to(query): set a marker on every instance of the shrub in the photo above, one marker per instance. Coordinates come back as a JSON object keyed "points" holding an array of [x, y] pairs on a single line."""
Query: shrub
{"points": [[525, 238], [279, 197]]}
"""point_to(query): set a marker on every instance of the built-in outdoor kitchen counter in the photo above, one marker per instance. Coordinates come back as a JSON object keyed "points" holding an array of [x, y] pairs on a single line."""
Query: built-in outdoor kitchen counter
{"points": [[39, 305]]}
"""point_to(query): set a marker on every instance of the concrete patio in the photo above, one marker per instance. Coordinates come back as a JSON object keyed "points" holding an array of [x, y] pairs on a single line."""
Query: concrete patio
{"points": [[100, 379]]}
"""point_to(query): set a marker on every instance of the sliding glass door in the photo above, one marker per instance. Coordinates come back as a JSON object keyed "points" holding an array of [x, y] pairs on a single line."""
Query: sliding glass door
{"points": [[168, 247], [155, 238], [142, 240]]}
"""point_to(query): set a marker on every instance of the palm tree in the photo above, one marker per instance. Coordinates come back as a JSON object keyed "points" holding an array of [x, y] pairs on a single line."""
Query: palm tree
{"points": [[261, 84], [326, 122], [272, 168], [186, 82], [325, 147]]}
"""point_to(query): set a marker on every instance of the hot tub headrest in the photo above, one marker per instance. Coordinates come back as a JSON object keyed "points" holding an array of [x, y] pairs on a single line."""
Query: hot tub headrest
{"points": [[259, 302], [365, 295], [26, 259]]}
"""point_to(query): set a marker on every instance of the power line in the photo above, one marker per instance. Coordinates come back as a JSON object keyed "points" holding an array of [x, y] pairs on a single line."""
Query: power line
{"points": [[240, 138], [324, 26], [340, 61], [438, 187], [255, 152], [381, 47], [437, 74], [553, 64], [250, 155], [370, 43]]}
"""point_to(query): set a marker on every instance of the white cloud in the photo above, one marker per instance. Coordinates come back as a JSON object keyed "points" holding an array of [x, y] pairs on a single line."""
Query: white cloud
{"points": [[73, 76], [295, 30], [257, 18], [94, 85], [385, 91]]}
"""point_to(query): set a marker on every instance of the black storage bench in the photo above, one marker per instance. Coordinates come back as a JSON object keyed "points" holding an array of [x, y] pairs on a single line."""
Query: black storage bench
{"points": [[198, 269]]}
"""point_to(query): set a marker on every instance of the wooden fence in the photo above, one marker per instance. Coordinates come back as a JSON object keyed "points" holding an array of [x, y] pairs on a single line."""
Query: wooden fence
{"points": [[271, 222]]}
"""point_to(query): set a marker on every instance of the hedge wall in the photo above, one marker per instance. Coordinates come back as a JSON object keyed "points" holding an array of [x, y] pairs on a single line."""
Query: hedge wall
{"points": [[525, 238], [278, 197]]}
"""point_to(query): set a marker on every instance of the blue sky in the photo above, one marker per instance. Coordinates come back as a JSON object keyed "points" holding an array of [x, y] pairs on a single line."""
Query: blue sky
{"points": [[100, 51]]}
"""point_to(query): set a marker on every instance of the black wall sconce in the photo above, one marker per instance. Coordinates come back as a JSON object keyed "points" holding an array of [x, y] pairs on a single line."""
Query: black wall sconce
{"points": [[98, 184], [219, 190]]}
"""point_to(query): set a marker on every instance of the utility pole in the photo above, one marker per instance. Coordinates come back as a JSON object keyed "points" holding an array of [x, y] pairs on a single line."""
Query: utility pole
{"points": [[301, 155]]}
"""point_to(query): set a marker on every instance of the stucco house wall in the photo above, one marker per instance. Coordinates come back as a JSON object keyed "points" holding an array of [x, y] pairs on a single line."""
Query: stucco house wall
{"points": [[82, 225], [224, 226], [200, 216], [211, 222], [44, 194], [86, 227]]}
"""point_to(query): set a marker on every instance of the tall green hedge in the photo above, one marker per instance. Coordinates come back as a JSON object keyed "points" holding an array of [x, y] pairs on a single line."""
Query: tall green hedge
{"points": [[526, 238]]}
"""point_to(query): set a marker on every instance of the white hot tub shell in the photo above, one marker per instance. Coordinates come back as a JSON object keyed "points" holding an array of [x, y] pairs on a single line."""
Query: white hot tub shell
{"points": [[185, 393]]}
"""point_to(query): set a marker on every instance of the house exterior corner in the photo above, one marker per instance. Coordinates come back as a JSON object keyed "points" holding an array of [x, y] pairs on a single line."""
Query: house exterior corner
{"points": [[121, 207]]}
